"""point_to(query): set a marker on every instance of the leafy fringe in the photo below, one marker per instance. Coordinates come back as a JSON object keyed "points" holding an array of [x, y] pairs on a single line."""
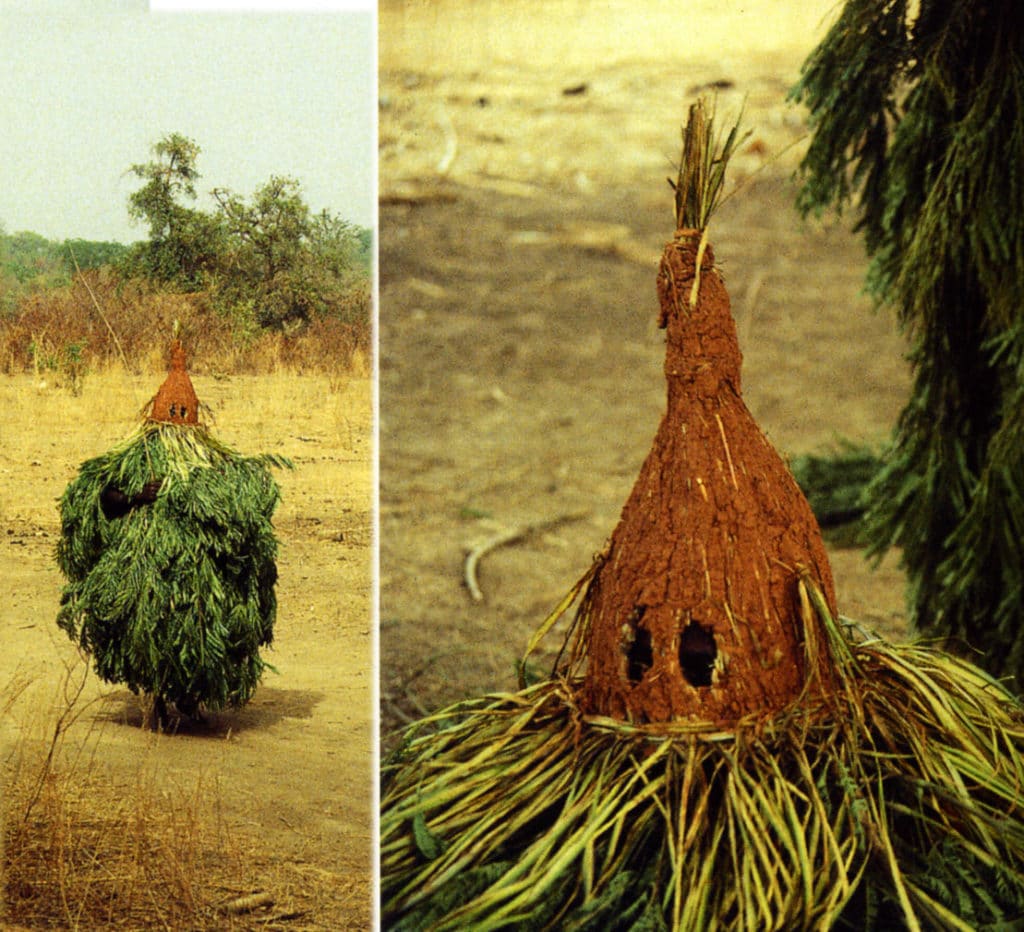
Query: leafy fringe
{"points": [[176, 598]]}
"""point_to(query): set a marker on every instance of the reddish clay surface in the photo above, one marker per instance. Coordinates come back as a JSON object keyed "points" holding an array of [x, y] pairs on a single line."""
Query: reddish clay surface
{"points": [[693, 611], [176, 400], [520, 230]]}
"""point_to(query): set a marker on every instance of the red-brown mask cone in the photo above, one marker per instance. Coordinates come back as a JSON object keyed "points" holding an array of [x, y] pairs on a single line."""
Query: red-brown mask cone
{"points": [[176, 401], [693, 611]]}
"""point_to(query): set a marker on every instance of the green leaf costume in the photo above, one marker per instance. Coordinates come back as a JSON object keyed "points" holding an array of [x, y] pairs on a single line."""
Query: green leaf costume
{"points": [[169, 552]]}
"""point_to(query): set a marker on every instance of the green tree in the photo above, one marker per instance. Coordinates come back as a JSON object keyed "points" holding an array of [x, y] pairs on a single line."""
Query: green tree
{"points": [[90, 254], [29, 262], [917, 116], [31, 257], [339, 262], [365, 237], [269, 260], [184, 243], [287, 262]]}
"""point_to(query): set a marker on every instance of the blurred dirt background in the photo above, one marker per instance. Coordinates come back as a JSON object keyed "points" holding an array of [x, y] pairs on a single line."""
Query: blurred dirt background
{"points": [[283, 786], [524, 151]]}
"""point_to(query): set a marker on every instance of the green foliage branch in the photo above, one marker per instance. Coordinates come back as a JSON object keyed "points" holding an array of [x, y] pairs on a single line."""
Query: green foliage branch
{"points": [[917, 117]]}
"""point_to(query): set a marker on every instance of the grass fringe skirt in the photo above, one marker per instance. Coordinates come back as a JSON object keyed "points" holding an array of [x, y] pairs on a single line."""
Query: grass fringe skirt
{"points": [[891, 801]]}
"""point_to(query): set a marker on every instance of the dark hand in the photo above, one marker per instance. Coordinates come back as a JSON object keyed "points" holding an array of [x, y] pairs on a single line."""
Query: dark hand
{"points": [[116, 504]]}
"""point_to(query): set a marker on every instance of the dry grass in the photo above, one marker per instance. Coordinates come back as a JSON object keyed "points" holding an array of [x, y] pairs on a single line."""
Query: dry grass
{"points": [[83, 851], [62, 334]]}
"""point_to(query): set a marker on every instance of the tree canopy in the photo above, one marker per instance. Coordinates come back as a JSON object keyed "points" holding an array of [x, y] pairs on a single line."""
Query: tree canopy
{"points": [[268, 257], [184, 243]]}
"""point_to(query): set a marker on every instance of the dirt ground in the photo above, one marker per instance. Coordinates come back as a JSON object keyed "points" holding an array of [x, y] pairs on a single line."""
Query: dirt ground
{"points": [[524, 151], [289, 775]]}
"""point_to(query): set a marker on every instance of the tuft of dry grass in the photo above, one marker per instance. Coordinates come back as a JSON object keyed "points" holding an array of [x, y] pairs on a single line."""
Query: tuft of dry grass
{"points": [[85, 852]]}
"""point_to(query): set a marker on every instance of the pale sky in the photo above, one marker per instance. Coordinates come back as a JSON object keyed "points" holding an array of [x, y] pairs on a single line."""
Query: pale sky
{"points": [[88, 86]]}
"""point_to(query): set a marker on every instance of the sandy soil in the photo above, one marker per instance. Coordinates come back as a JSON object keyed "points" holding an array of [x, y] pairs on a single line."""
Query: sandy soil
{"points": [[289, 775], [524, 150]]}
